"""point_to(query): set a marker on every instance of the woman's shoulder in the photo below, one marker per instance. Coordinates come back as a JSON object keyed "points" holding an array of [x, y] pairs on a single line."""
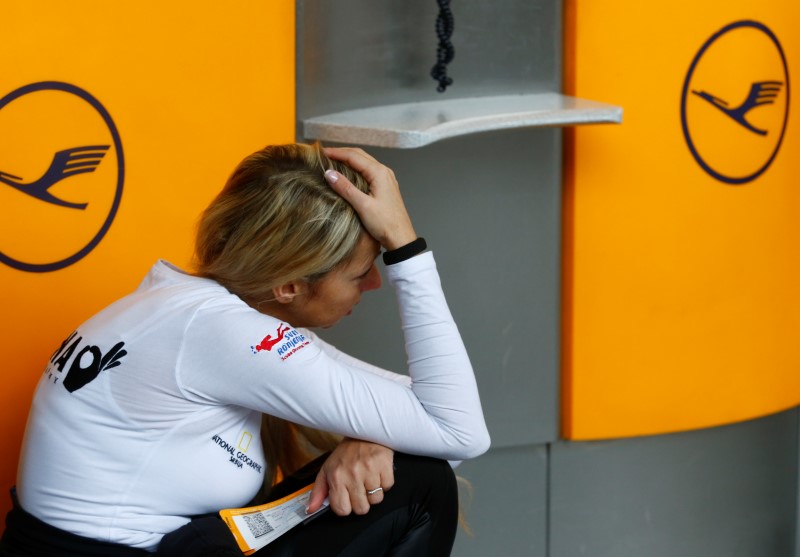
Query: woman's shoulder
{"points": [[164, 274], [171, 298], [179, 287], [205, 302]]}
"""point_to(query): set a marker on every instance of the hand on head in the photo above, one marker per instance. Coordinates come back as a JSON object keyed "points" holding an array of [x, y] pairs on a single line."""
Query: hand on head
{"points": [[382, 211]]}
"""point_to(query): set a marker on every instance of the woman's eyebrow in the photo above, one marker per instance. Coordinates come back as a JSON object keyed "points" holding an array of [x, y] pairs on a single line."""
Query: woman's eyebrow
{"points": [[366, 267], [368, 263]]}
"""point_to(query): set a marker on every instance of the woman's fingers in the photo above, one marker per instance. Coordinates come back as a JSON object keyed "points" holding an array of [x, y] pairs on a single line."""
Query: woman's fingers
{"points": [[347, 190], [354, 157], [361, 498], [383, 484], [387, 476], [360, 161], [382, 211], [318, 492], [354, 469], [348, 493], [338, 492], [375, 496]]}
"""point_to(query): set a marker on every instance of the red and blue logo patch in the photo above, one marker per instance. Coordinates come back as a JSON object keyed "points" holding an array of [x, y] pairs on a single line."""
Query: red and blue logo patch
{"points": [[285, 342]]}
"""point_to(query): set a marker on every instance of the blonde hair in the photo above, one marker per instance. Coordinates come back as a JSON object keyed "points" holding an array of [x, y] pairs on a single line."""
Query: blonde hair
{"points": [[277, 220]]}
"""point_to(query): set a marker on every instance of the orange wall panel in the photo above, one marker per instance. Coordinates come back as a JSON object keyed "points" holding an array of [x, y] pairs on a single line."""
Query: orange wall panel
{"points": [[190, 87], [682, 308]]}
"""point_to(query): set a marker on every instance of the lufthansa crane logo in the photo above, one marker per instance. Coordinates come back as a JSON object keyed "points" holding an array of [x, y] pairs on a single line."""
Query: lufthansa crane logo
{"points": [[735, 102], [61, 175]]}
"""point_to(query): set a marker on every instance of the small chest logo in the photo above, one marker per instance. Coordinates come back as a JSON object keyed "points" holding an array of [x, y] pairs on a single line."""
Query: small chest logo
{"points": [[285, 342], [268, 342], [237, 455]]}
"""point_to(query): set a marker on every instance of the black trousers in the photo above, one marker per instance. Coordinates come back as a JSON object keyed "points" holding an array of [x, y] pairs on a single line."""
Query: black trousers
{"points": [[417, 518], [27, 536]]}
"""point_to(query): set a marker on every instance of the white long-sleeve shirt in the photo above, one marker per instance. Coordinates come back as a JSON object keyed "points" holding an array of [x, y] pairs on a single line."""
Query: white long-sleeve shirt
{"points": [[150, 411]]}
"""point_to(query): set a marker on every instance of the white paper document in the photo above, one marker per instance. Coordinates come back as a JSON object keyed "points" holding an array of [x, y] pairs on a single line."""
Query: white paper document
{"points": [[255, 527]]}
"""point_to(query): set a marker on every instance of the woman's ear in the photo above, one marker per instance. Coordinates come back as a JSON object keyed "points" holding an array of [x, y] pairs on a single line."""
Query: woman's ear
{"points": [[286, 293]]}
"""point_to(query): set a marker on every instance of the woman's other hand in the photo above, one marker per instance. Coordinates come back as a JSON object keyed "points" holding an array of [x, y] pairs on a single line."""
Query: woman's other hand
{"points": [[352, 469], [382, 211]]}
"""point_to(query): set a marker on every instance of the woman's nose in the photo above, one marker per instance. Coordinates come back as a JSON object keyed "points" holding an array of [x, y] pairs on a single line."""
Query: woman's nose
{"points": [[372, 281]]}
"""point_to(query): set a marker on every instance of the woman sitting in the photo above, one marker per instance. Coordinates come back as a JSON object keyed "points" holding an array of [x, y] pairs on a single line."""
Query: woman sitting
{"points": [[148, 418]]}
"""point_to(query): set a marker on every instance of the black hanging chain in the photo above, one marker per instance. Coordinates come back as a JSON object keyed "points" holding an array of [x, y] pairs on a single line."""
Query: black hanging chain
{"points": [[445, 51]]}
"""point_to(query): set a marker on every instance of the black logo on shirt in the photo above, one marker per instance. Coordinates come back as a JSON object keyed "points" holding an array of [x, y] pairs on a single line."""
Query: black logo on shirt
{"points": [[86, 364]]}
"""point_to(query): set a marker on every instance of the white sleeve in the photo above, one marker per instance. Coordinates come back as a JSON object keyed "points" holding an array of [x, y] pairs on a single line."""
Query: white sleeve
{"points": [[304, 382], [355, 363]]}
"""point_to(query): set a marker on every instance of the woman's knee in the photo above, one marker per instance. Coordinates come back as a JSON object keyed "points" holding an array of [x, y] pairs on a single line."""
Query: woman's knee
{"points": [[431, 480]]}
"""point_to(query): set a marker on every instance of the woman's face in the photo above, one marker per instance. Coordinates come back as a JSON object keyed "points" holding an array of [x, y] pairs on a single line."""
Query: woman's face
{"points": [[334, 296]]}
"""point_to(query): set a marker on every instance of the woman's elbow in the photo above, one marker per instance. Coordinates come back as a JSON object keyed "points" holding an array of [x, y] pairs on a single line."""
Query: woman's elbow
{"points": [[482, 443], [477, 443]]}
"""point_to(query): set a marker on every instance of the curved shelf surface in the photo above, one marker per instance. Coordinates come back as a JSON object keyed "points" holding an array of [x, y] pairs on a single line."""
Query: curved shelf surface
{"points": [[412, 125]]}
